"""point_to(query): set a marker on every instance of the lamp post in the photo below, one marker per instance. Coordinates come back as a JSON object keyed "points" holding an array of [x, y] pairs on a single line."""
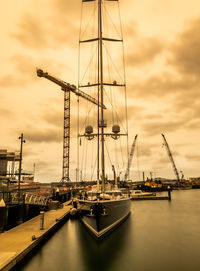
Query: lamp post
{"points": [[20, 163]]}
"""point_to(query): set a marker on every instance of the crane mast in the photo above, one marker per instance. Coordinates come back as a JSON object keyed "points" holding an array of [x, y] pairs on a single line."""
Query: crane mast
{"points": [[67, 88], [130, 159], [171, 158]]}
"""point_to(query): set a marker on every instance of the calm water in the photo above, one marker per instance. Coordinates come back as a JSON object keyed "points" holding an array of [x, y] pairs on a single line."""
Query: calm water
{"points": [[158, 235]]}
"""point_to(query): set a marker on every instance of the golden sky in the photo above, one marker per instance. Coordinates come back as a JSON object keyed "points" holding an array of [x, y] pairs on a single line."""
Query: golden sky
{"points": [[161, 40]]}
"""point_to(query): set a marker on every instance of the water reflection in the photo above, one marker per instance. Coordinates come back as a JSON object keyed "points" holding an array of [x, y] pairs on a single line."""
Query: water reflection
{"points": [[100, 255]]}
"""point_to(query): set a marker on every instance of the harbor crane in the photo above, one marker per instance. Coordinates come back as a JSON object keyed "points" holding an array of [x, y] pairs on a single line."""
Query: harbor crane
{"points": [[130, 159], [171, 158], [67, 88]]}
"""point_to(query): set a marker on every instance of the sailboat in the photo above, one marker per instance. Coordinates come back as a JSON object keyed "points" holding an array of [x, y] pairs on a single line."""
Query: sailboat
{"points": [[104, 208]]}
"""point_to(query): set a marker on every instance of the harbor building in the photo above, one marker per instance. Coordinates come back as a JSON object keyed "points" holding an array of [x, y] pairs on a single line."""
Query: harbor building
{"points": [[6, 157]]}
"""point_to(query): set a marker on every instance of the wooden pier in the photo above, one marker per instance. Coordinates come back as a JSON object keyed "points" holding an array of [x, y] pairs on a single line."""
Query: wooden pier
{"points": [[16, 243]]}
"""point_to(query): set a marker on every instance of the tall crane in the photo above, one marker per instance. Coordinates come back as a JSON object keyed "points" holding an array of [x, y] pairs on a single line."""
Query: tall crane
{"points": [[130, 158], [67, 88], [171, 158]]}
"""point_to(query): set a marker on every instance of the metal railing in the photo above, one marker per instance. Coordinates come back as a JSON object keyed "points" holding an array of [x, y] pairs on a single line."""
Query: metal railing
{"points": [[25, 198]]}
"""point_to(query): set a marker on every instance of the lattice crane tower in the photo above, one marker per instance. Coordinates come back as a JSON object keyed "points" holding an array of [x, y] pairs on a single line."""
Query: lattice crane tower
{"points": [[67, 88]]}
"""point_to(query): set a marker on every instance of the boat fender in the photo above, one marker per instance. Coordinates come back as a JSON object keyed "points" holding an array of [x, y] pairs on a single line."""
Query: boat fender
{"points": [[73, 211]]}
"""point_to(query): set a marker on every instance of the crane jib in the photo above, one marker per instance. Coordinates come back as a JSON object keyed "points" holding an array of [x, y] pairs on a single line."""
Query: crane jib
{"points": [[68, 87]]}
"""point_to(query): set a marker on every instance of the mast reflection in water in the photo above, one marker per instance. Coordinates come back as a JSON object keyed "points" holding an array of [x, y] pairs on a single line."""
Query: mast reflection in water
{"points": [[158, 235]]}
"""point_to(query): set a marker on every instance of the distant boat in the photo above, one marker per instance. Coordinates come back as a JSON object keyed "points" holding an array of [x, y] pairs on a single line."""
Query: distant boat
{"points": [[104, 208], [139, 194]]}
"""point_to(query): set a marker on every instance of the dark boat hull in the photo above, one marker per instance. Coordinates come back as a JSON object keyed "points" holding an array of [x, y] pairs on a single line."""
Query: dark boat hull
{"points": [[105, 215]]}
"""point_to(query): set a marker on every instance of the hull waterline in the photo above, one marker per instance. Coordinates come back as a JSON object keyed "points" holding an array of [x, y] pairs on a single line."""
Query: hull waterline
{"points": [[105, 215]]}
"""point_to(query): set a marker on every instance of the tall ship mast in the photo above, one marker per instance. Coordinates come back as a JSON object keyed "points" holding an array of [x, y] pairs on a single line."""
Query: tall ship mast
{"points": [[102, 76], [106, 206]]}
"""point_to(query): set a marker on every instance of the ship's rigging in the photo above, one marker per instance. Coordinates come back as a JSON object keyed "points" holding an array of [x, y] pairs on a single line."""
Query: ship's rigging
{"points": [[103, 85]]}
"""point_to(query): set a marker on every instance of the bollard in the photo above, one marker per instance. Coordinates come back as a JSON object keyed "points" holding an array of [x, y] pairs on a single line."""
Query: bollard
{"points": [[169, 192], [42, 220], [33, 238], [3, 214]]}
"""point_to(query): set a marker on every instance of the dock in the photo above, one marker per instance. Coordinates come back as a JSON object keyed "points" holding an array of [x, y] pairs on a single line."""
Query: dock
{"points": [[151, 198], [16, 243]]}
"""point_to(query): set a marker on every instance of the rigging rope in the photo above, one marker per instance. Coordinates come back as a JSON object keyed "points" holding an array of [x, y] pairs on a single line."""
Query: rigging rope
{"points": [[88, 66], [92, 15], [106, 11], [138, 168], [108, 154], [115, 68], [126, 106], [78, 119]]}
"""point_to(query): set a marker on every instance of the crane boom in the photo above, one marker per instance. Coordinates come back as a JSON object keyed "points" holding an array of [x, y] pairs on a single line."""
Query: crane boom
{"points": [[130, 159], [68, 87], [171, 158]]}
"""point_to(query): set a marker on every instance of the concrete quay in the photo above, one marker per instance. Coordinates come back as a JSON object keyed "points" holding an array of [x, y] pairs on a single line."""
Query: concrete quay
{"points": [[16, 243]]}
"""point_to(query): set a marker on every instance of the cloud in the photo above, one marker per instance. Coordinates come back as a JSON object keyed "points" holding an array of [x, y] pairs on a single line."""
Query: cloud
{"points": [[49, 27], [131, 30], [31, 31], [63, 6], [164, 158], [36, 135], [162, 85], [56, 118], [40, 164], [25, 70], [192, 157], [158, 127], [10, 80], [6, 113], [176, 86], [144, 150], [193, 124], [27, 151], [144, 51], [185, 55], [53, 117], [183, 58], [141, 149]]}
